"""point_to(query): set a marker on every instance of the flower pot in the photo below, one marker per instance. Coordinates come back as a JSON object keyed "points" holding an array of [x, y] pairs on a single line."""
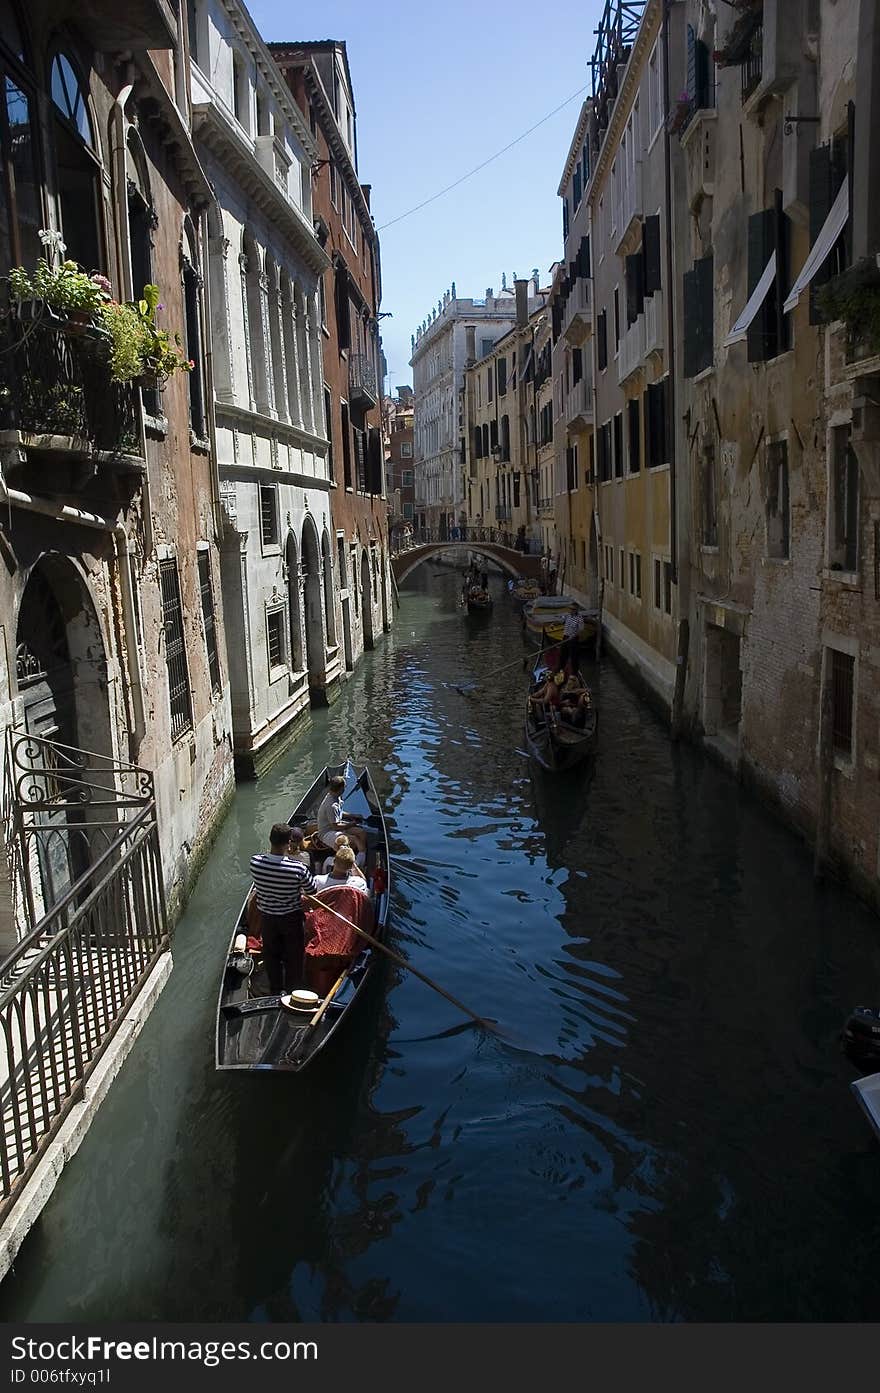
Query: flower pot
{"points": [[147, 381], [78, 322]]}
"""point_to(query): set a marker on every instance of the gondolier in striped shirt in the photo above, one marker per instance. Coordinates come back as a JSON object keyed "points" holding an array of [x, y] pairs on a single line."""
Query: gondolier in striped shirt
{"points": [[279, 882]]}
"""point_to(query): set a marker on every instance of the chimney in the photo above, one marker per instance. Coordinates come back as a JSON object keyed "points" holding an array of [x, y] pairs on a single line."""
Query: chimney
{"points": [[522, 301], [470, 335]]}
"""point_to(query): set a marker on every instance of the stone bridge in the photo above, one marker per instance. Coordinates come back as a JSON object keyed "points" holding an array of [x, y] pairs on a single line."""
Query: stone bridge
{"points": [[518, 564]]}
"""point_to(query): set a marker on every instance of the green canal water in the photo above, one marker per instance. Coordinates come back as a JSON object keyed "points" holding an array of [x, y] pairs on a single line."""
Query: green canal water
{"points": [[665, 1130]]}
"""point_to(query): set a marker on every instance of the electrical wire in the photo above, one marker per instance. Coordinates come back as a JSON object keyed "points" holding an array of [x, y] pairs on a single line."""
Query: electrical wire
{"points": [[477, 168]]}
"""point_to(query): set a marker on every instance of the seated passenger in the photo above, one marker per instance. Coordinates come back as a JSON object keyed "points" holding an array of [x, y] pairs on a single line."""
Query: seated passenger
{"points": [[576, 707], [548, 697], [344, 871], [297, 850], [334, 821]]}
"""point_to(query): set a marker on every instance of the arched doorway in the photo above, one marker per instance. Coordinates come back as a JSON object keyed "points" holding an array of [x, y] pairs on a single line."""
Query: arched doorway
{"points": [[61, 672], [314, 613], [329, 601], [367, 598]]}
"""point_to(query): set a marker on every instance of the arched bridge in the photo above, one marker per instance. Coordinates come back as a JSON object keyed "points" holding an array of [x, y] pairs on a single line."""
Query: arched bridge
{"points": [[486, 540]]}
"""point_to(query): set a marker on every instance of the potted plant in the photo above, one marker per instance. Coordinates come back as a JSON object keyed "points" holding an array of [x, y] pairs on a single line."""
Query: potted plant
{"points": [[854, 297], [140, 351], [58, 290]]}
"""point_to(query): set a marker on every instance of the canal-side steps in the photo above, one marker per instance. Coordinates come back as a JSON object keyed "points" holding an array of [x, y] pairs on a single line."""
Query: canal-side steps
{"points": [[83, 857]]}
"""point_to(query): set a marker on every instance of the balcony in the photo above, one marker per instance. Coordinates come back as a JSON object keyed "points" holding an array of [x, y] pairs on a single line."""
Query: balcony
{"points": [[138, 25], [579, 406], [57, 397], [630, 208], [578, 317], [502, 512], [632, 350], [362, 380], [753, 63], [654, 323]]}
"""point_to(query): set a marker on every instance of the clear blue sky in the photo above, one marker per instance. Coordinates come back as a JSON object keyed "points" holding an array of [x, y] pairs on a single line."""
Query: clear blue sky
{"points": [[439, 87]]}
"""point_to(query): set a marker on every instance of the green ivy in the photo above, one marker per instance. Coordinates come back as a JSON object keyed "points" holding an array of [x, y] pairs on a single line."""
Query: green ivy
{"points": [[857, 304]]}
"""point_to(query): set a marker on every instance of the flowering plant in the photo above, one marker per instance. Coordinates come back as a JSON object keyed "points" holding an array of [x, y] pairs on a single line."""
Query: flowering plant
{"points": [[163, 353]]}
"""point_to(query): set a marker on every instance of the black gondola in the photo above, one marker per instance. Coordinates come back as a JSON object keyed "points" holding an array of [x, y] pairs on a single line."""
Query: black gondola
{"points": [[478, 601], [256, 1030], [553, 742]]}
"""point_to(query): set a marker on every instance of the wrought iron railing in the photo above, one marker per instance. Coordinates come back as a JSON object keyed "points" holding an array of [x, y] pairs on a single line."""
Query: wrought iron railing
{"points": [[67, 987], [422, 536], [362, 377], [55, 381], [753, 63], [62, 807]]}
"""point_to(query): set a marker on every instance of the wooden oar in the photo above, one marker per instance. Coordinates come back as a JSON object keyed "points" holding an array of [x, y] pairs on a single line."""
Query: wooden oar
{"points": [[460, 687], [301, 1042], [402, 962]]}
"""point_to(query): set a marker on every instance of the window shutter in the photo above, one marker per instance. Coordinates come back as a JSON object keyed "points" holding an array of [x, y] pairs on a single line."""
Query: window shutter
{"points": [[343, 318], [705, 291], [691, 64], [633, 426], [576, 366], [702, 86], [618, 445], [374, 460], [821, 198], [602, 340], [632, 312], [691, 307], [603, 463], [662, 422], [651, 252], [478, 443], [583, 259], [760, 246]]}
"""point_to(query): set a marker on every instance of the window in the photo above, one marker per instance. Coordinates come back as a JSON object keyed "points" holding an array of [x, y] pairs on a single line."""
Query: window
{"points": [[621, 568], [407, 511], [192, 299], [634, 434], [328, 431], [343, 308], [769, 333], [502, 377], [263, 126], [602, 340], [658, 582], [828, 169], [577, 366], [406, 478], [843, 532], [708, 495], [616, 320], [240, 91], [268, 515], [406, 449], [655, 91], [322, 301], [341, 561], [699, 307], [604, 452], [778, 512], [618, 445], [275, 638], [842, 693], [489, 383], [667, 587], [656, 441], [20, 215], [635, 575], [175, 649], [78, 167], [208, 619], [634, 268]]}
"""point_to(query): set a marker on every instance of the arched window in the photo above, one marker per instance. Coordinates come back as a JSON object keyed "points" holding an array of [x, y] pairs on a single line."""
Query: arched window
{"points": [[252, 273], [288, 326], [276, 350], [141, 222], [20, 212], [241, 91], [192, 304], [78, 166]]}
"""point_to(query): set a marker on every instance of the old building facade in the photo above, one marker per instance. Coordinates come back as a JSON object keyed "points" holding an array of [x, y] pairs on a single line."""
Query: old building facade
{"points": [[350, 292], [111, 534], [273, 453], [399, 466], [778, 207]]}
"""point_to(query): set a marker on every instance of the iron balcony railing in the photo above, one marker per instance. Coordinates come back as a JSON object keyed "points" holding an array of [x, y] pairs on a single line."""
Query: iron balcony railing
{"points": [[55, 381], [362, 378], [70, 980], [753, 64]]}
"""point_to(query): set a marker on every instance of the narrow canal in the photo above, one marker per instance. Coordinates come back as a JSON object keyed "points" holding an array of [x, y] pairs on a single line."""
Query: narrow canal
{"points": [[668, 1132]]}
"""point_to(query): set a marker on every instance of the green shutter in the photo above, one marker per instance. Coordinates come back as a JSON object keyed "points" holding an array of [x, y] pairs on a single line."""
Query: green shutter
{"points": [[691, 314]]}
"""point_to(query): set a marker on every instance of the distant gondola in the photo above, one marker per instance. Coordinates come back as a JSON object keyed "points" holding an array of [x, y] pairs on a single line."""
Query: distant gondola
{"points": [[547, 615], [256, 1030], [553, 742], [478, 601]]}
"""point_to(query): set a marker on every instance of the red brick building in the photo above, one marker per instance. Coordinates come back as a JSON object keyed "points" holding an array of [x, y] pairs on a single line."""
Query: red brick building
{"points": [[319, 78], [399, 465]]}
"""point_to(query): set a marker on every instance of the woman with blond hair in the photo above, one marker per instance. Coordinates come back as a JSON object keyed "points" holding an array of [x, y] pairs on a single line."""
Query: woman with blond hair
{"points": [[344, 871]]}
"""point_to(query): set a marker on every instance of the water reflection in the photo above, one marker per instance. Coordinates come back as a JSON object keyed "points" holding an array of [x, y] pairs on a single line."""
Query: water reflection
{"points": [[662, 1131]]}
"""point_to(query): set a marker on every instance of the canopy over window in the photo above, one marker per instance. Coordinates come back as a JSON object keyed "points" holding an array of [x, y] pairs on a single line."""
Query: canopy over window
{"points": [[755, 301], [831, 230]]}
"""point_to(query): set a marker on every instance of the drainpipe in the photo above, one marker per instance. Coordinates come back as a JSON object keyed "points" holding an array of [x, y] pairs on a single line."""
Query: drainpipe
{"points": [[681, 655], [62, 513], [120, 191]]}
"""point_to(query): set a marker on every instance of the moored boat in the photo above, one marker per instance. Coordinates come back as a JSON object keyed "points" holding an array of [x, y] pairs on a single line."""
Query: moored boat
{"points": [[478, 600], [554, 742], [259, 1030], [547, 614]]}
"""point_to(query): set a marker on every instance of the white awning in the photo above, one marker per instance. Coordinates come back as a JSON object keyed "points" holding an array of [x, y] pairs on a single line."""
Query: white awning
{"points": [[831, 230], [756, 300]]}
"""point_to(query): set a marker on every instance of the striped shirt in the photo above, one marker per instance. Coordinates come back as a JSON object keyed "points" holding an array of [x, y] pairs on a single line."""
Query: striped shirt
{"points": [[279, 882]]}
